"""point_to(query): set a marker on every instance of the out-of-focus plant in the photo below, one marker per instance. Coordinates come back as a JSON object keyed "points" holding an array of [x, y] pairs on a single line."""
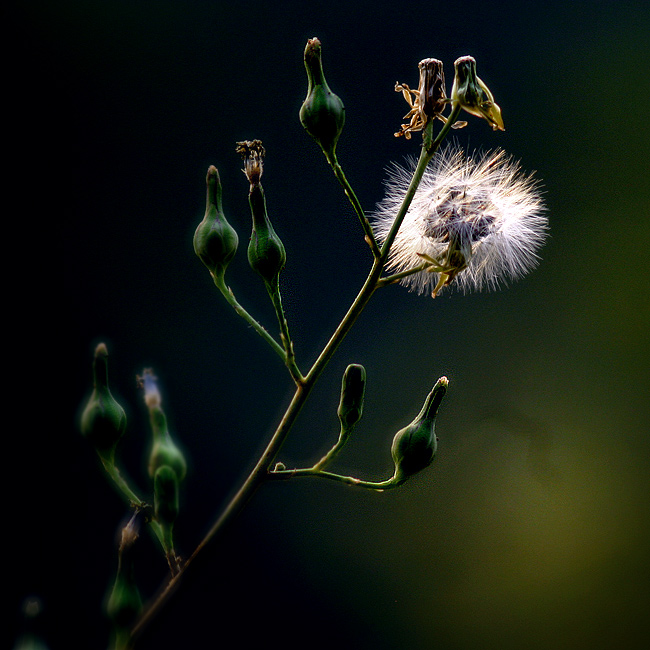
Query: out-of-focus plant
{"points": [[447, 221]]}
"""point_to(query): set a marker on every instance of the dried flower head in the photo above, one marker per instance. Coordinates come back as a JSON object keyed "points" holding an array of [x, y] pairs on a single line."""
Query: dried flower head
{"points": [[252, 152], [475, 222], [427, 101]]}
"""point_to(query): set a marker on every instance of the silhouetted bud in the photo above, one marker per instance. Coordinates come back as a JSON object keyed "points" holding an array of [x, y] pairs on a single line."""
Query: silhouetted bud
{"points": [[165, 489], [322, 113], [124, 603], [103, 420], [215, 240], [353, 387], [473, 95], [415, 445], [163, 451], [31, 638], [266, 253]]}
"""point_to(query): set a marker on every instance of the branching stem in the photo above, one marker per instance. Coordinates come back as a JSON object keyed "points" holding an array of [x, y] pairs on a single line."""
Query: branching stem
{"points": [[380, 486], [352, 197], [290, 357], [262, 470], [230, 298]]}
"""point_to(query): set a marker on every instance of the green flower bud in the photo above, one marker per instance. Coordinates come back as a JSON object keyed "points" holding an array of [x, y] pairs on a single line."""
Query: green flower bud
{"points": [[103, 420], [163, 451], [473, 95], [266, 253], [353, 387], [215, 240], [124, 603], [165, 490], [415, 445], [322, 114]]}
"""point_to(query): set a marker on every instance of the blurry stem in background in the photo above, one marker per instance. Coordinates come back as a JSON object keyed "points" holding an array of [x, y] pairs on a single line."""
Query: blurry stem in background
{"points": [[262, 470]]}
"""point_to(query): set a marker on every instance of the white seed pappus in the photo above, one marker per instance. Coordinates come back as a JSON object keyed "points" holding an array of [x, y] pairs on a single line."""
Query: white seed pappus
{"points": [[482, 209]]}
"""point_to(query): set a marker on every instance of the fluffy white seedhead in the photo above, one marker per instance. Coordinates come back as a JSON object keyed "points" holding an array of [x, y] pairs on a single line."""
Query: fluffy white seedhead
{"points": [[480, 219]]}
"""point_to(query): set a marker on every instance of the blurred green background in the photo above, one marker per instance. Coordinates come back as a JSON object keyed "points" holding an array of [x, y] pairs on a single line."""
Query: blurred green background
{"points": [[532, 528]]}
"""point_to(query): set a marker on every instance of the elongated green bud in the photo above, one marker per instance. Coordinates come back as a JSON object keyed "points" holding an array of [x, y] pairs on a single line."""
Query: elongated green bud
{"points": [[353, 388], [103, 420], [164, 450], [165, 490], [415, 445], [266, 252], [124, 603], [322, 114], [215, 240]]}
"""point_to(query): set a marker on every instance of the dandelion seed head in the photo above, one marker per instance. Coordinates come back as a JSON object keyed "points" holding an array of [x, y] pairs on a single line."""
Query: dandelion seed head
{"points": [[479, 220]]}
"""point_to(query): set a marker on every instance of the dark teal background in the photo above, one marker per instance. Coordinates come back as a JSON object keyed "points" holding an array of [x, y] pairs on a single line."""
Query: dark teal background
{"points": [[532, 528]]}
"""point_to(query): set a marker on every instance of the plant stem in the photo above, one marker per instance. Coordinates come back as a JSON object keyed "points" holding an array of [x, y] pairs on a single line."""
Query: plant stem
{"points": [[261, 472], [276, 299], [230, 298], [334, 451], [352, 197], [390, 279], [114, 473], [380, 486], [429, 148]]}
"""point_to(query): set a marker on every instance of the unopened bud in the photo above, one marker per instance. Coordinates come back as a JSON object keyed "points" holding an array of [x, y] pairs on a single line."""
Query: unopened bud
{"points": [[473, 95], [415, 445], [353, 387], [125, 603], [215, 240], [165, 489], [163, 451], [103, 420], [322, 114]]}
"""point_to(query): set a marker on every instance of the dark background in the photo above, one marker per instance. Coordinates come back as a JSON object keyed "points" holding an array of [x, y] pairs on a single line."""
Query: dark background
{"points": [[532, 528]]}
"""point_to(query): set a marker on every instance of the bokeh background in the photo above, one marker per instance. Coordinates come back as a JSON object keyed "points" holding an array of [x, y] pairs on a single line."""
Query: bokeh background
{"points": [[532, 528]]}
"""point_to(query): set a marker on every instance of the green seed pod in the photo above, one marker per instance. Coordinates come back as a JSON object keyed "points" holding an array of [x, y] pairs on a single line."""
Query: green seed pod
{"points": [[165, 490], [215, 240], [124, 603], [266, 253], [163, 451], [322, 114], [415, 445], [473, 95], [353, 387], [103, 420]]}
